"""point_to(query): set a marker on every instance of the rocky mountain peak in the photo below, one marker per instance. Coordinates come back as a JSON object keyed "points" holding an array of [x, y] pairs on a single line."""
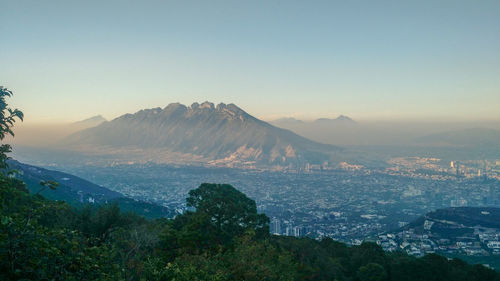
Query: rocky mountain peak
{"points": [[344, 118], [222, 132], [207, 105]]}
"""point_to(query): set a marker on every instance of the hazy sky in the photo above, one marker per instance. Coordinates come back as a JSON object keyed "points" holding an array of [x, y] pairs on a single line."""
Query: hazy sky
{"points": [[366, 59]]}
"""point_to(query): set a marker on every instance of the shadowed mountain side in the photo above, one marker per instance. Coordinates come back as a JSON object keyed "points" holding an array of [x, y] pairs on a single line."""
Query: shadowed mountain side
{"points": [[460, 218], [222, 132], [78, 192]]}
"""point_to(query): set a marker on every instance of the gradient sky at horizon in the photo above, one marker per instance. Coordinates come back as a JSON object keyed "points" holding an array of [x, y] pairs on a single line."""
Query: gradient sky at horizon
{"points": [[68, 60]]}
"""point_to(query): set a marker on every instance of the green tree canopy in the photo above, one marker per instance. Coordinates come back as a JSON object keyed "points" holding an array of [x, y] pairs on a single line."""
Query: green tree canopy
{"points": [[372, 272], [230, 211], [8, 117]]}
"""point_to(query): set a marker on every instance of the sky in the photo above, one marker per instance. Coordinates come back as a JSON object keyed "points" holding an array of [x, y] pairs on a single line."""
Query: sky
{"points": [[68, 60]]}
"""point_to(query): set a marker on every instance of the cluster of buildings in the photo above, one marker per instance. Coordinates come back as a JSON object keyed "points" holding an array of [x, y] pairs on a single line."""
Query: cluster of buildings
{"points": [[346, 204], [287, 228], [422, 239], [440, 169]]}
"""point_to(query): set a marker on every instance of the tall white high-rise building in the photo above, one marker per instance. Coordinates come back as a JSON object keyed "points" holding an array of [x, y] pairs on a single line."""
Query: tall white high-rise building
{"points": [[297, 231], [276, 226]]}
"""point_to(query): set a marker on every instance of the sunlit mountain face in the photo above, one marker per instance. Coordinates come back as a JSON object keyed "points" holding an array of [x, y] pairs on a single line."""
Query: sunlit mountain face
{"points": [[205, 132]]}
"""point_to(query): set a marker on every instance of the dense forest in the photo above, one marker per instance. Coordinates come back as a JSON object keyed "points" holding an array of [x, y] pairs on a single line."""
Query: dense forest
{"points": [[221, 238]]}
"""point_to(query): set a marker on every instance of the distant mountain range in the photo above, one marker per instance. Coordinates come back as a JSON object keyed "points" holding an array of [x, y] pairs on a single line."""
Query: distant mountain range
{"points": [[205, 132], [290, 123], [50, 134], [345, 131], [78, 192], [88, 123], [340, 130]]}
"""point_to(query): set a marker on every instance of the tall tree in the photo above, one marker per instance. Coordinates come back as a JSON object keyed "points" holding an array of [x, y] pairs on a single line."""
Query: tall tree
{"points": [[8, 117], [230, 211]]}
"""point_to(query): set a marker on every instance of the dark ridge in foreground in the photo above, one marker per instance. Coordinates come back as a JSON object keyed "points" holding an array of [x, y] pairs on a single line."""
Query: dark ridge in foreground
{"points": [[223, 238], [79, 192]]}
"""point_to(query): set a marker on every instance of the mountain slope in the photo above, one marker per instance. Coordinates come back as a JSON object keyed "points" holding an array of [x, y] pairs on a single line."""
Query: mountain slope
{"points": [[464, 217], [77, 191], [88, 123], [221, 133], [470, 233]]}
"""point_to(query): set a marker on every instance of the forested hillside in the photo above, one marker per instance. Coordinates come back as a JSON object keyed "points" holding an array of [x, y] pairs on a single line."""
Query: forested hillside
{"points": [[224, 239], [77, 192]]}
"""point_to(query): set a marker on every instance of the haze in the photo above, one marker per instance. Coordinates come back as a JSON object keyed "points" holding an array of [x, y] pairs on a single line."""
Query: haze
{"points": [[69, 60]]}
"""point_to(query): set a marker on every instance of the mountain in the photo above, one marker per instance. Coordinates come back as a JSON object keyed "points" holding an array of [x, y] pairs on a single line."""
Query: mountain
{"points": [[345, 118], [342, 119], [50, 134], [88, 123], [221, 134], [287, 122], [338, 131], [77, 191], [293, 124], [465, 137]]}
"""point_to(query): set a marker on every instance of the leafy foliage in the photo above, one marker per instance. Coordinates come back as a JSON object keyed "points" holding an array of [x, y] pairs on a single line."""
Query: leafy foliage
{"points": [[229, 211], [372, 272], [43, 239], [8, 117]]}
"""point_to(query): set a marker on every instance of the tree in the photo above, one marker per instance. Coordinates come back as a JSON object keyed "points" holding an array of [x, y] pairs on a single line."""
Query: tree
{"points": [[7, 119], [367, 252], [260, 260], [229, 211], [372, 272]]}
